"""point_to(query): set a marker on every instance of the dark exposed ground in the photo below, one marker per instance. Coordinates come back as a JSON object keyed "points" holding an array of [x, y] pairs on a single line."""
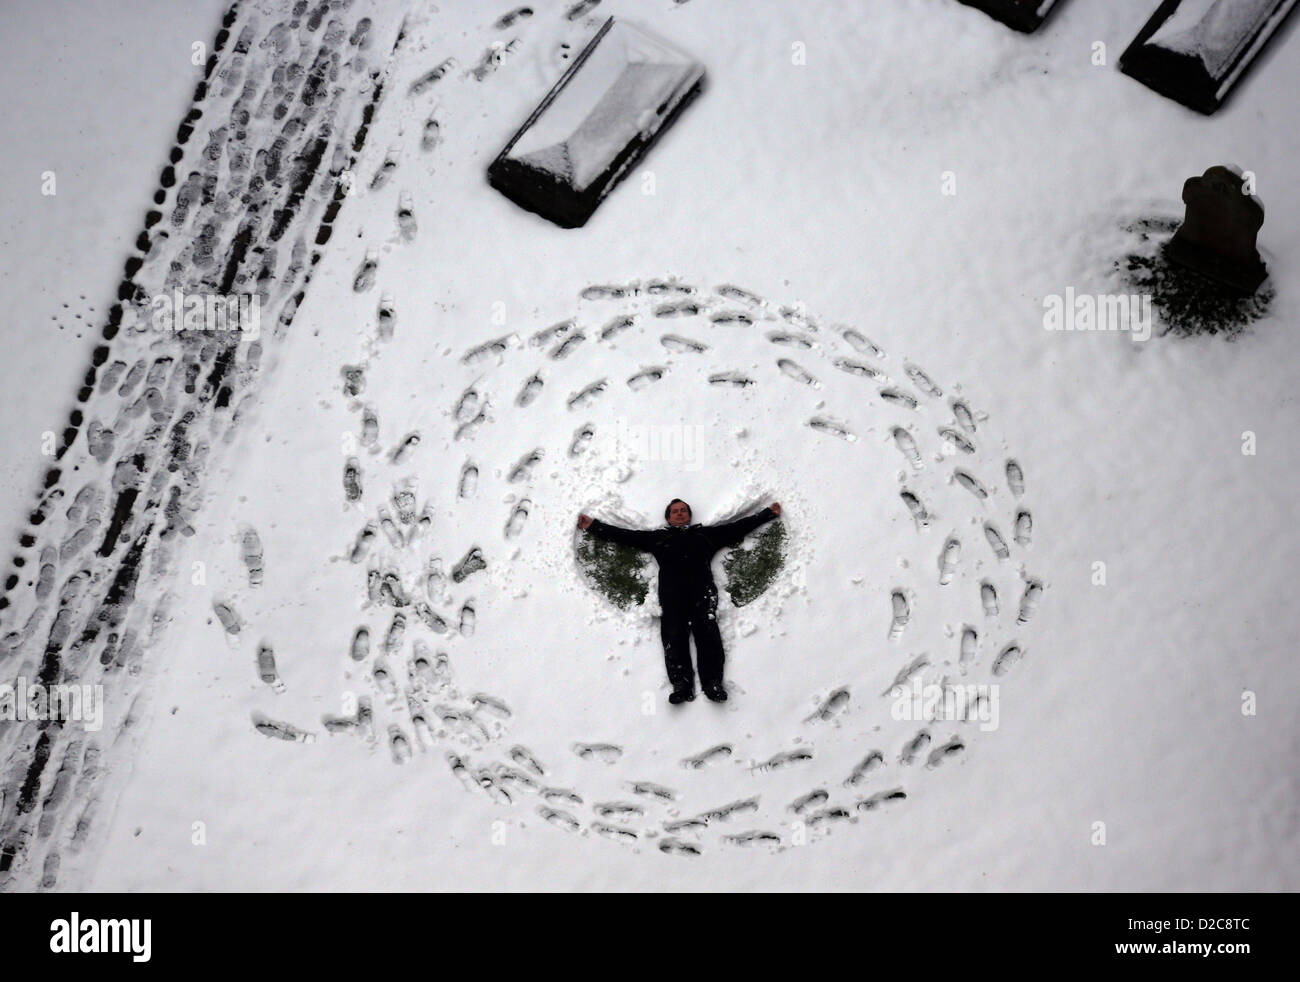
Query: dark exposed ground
{"points": [[1184, 302]]}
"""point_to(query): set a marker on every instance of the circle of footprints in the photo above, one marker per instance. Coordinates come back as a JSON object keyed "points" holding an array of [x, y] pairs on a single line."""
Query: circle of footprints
{"points": [[957, 501]]}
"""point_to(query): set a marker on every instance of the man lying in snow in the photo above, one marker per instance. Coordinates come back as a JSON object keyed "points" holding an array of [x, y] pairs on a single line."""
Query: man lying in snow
{"points": [[687, 593]]}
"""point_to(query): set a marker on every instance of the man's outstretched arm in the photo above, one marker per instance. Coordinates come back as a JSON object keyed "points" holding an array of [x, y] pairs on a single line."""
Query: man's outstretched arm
{"points": [[636, 538], [729, 533]]}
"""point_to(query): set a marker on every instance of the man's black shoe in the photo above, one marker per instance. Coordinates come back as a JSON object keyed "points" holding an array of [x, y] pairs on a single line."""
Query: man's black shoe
{"points": [[716, 693], [680, 696]]}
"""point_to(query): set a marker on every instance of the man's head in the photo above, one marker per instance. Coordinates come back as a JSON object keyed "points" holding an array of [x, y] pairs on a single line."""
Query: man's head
{"points": [[678, 512]]}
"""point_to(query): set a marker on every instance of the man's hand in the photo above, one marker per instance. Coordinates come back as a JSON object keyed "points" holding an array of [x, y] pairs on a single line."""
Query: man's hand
{"points": [[584, 521], [776, 507]]}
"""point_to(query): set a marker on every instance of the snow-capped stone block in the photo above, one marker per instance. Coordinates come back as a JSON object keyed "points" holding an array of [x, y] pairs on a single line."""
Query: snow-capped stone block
{"points": [[1022, 15], [622, 92], [1195, 51], [1217, 237]]}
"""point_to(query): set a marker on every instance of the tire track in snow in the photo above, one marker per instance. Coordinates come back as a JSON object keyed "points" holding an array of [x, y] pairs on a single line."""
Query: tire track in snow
{"points": [[284, 106]]}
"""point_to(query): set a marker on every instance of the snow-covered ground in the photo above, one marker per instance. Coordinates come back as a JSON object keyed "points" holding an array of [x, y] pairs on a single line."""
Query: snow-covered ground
{"points": [[811, 175]]}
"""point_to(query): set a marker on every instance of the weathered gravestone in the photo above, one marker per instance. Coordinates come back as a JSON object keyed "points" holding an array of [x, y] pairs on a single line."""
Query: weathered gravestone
{"points": [[1196, 51], [622, 92], [1217, 237]]}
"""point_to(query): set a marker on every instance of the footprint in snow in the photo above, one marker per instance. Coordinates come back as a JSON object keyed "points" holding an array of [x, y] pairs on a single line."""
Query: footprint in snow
{"points": [[615, 326], [468, 482], [794, 370], [559, 818], [731, 292], [1024, 527], [733, 379], [1029, 600], [617, 809], [922, 381], [874, 760], [956, 438], [830, 707], [406, 223], [812, 799], [529, 391], [968, 647], [581, 439], [606, 291], [901, 613], [755, 837], [525, 758], [471, 563], [906, 444], [365, 275], [565, 347], [679, 308], [791, 340], [862, 344], [431, 135], [913, 747], [917, 510], [1007, 658], [518, 516], [841, 431], [360, 647], [724, 812], [468, 618], [996, 542], [783, 759], [906, 672], [948, 560], [989, 598], [561, 796], [547, 335], [281, 731], [266, 670], [616, 832], [898, 397], [251, 552], [971, 483], [494, 705], [587, 395], [511, 16], [713, 755], [604, 753], [948, 750], [880, 798], [399, 744], [730, 317], [965, 418], [646, 377], [651, 790], [675, 342], [859, 369], [1015, 478], [676, 847]]}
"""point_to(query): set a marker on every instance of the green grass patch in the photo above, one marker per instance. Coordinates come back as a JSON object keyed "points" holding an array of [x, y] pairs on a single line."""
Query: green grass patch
{"points": [[617, 571], [751, 570]]}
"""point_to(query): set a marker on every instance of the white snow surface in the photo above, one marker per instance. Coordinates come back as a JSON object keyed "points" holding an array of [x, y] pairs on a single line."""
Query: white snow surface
{"points": [[816, 185]]}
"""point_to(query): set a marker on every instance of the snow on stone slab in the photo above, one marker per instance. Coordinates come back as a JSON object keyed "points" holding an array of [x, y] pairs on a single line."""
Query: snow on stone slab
{"points": [[1214, 31], [615, 95]]}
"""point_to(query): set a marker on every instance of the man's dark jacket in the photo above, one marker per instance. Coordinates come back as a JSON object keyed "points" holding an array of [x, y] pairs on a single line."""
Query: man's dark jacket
{"points": [[683, 551]]}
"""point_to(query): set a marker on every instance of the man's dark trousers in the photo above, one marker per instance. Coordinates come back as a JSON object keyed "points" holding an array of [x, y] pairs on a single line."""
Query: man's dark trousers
{"points": [[683, 616]]}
